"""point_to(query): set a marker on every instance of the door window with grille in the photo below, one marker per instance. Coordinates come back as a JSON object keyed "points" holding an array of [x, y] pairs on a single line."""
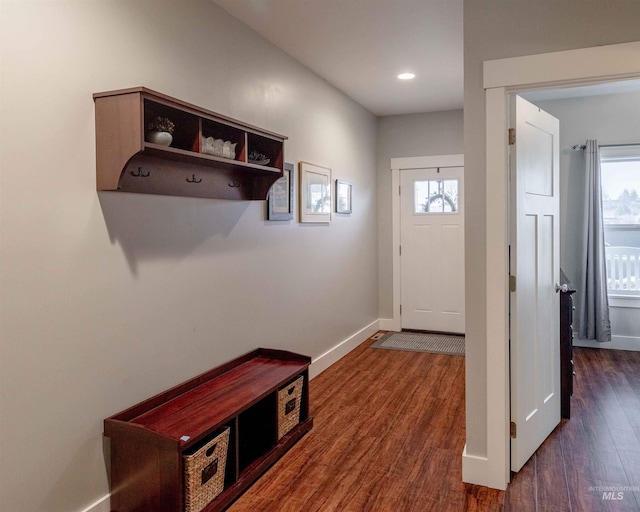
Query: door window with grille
{"points": [[435, 196]]}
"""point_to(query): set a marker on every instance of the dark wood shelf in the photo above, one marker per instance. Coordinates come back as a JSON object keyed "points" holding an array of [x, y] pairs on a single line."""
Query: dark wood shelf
{"points": [[126, 161], [148, 439]]}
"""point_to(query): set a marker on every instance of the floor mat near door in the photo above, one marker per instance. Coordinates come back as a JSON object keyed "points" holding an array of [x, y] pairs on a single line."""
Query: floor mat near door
{"points": [[422, 342]]}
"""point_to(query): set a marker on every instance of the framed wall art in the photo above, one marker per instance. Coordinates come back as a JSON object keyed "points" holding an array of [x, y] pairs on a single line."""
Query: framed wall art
{"points": [[315, 193], [343, 196], [281, 193]]}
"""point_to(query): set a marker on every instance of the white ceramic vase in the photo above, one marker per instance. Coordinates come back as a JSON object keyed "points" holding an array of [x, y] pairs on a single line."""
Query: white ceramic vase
{"points": [[162, 138]]}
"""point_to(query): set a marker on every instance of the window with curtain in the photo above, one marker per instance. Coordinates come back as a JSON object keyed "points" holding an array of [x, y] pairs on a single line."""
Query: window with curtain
{"points": [[620, 180]]}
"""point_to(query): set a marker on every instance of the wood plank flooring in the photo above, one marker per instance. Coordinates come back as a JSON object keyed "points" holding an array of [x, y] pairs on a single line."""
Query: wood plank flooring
{"points": [[389, 431], [597, 451]]}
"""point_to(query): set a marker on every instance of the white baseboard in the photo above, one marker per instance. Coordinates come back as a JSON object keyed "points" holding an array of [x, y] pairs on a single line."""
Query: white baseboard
{"points": [[474, 469], [389, 324], [616, 343], [322, 362], [102, 505]]}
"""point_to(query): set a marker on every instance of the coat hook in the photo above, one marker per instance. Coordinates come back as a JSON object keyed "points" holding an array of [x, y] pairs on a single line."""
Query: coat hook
{"points": [[140, 174], [194, 179], [234, 184]]}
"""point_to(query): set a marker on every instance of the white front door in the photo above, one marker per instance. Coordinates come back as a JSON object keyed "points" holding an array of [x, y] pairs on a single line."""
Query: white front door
{"points": [[432, 249], [534, 269]]}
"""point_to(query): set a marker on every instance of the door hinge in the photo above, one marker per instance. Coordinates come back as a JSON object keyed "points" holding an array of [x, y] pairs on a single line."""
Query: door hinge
{"points": [[512, 136], [400, 308], [512, 283], [512, 430], [399, 190], [400, 250]]}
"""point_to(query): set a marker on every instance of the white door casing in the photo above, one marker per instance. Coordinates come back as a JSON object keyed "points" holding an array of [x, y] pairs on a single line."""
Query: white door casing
{"points": [[535, 267], [432, 249]]}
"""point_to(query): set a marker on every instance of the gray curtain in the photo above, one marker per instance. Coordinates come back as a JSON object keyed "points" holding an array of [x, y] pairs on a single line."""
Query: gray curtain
{"points": [[594, 322]]}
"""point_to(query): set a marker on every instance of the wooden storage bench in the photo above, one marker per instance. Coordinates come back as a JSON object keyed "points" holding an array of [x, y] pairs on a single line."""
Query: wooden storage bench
{"points": [[149, 440]]}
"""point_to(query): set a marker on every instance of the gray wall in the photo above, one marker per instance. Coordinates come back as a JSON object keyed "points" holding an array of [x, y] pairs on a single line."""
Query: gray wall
{"points": [[429, 134], [494, 30], [108, 299], [611, 119]]}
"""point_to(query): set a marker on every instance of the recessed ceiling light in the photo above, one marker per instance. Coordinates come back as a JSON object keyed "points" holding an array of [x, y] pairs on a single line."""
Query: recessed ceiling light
{"points": [[406, 76]]}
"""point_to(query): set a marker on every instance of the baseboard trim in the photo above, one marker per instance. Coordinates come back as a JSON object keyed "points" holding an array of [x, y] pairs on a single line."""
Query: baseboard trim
{"points": [[102, 505], [323, 361], [474, 469], [616, 343]]}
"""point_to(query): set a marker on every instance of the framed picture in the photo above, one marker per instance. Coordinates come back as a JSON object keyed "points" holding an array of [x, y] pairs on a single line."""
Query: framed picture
{"points": [[343, 196], [315, 193], [280, 200]]}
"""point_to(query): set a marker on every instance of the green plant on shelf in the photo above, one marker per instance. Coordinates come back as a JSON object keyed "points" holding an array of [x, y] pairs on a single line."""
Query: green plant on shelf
{"points": [[161, 124], [254, 155]]}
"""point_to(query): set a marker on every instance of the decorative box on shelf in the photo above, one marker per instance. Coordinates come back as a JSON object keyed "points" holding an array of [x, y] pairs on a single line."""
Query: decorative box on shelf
{"points": [[219, 147]]}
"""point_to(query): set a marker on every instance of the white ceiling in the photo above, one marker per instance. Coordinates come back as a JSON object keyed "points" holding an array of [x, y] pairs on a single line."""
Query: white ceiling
{"points": [[360, 46]]}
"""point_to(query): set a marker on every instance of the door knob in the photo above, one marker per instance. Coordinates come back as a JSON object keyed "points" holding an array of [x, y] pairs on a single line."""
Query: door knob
{"points": [[564, 288]]}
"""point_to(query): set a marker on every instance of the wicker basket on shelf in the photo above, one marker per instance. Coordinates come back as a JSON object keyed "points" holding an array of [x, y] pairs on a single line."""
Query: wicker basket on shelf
{"points": [[289, 399], [204, 472]]}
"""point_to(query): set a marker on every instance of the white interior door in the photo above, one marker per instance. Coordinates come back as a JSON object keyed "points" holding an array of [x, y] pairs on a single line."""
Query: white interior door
{"points": [[535, 268], [432, 249]]}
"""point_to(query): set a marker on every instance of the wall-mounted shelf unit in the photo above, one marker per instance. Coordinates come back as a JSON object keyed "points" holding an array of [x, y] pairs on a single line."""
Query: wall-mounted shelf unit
{"points": [[127, 161], [252, 396]]}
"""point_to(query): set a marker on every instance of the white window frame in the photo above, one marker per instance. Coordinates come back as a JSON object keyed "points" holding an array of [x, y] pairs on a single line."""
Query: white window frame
{"points": [[621, 153]]}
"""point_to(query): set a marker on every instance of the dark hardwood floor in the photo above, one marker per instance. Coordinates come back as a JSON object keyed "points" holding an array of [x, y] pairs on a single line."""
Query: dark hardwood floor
{"points": [[592, 461], [389, 433]]}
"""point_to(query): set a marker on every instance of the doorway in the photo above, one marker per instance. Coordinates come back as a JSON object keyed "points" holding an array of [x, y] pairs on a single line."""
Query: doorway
{"points": [[610, 114], [445, 311], [503, 77]]}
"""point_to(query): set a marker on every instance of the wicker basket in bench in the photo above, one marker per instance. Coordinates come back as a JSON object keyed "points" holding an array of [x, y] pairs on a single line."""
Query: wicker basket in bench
{"points": [[204, 472], [289, 399]]}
